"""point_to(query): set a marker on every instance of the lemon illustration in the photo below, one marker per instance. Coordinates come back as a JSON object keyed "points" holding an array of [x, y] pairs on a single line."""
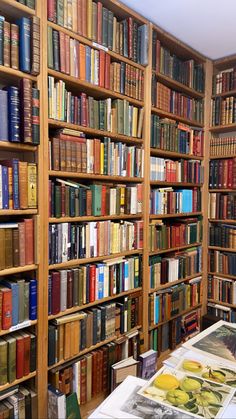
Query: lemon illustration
{"points": [[166, 382]]}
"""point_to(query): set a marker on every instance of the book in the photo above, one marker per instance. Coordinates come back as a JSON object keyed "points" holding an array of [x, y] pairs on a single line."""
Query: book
{"points": [[148, 362], [56, 403], [222, 262], [174, 201], [222, 174], [220, 146], [223, 235]]}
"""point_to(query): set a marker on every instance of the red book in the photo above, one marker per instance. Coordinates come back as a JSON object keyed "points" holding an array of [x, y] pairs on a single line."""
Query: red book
{"points": [[29, 241], [62, 52], [56, 290], [19, 355], [67, 53], [21, 227], [83, 380], [27, 342], [69, 289], [84, 119], [94, 375], [92, 284], [99, 23], [107, 71], [103, 207], [228, 173], [102, 56], [234, 173], [6, 307], [52, 10]]}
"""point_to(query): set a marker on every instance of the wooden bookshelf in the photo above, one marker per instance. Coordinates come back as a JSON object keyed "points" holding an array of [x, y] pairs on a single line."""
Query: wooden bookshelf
{"points": [[224, 249], [175, 117], [226, 221], [173, 154], [18, 270], [221, 303], [185, 184], [14, 9], [172, 283], [222, 128], [184, 214], [74, 175], [18, 381], [10, 74], [223, 275], [188, 310], [173, 84], [93, 218], [174, 249], [19, 326]]}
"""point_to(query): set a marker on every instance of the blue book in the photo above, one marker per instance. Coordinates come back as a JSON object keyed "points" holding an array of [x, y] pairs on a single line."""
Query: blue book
{"points": [[100, 268], [126, 275], [24, 42], [156, 309], [4, 116], [15, 300], [5, 191], [15, 183], [13, 113], [33, 299], [88, 64]]}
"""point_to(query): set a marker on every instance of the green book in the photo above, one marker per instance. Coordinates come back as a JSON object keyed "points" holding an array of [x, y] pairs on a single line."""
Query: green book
{"points": [[72, 407], [60, 12], [96, 114], [50, 48], [96, 199], [11, 358], [3, 362], [30, 3]]}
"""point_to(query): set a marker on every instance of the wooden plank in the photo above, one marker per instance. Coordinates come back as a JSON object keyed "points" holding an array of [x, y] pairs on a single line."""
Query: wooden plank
{"points": [[108, 178], [175, 117], [93, 218], [173, 154], [173, 84]]}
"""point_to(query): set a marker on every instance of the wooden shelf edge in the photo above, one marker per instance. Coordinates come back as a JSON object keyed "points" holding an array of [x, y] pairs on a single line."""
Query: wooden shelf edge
{"points": [[224, 249], [171, 284], [93, 131], [222, 275], [221, 190], [94, 303], [75, 262], [18, 381], [180, 184], [175, 117], [226, 221], [175, 317], [183, 214], [17, 6], [210, 300], [226, 156], [224, 94], [178, 85], [223, 128], [19, 212], [19, 326], [94, 218], [173, 154], [19, 269], [17, 74], [174, 249], [109, 178], [20, 147]]}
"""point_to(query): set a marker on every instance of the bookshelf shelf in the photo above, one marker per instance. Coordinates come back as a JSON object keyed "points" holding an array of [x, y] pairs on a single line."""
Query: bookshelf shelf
{"points": [[103, 300], [4, 145], [227, 156], [16, 382], [75, 262], [186, 214], [175, 317], [108, 178], [221, 190], [168, 81], [223, 275], [92, 218], [92, 131], [172, 283], [86, 41], [173, 154], [174, 249], [19, 212], [174, 117], [223, 128], [224, 249], [18, 327], [225, 94], [92, 89], [187, 184], [221, 303], [15, 9], [19, 269], [10, 74], [214, 220]]}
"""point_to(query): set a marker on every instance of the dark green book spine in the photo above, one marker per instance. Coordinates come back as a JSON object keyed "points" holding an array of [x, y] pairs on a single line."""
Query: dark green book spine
{"points": [[30, 3], [35, 116]]}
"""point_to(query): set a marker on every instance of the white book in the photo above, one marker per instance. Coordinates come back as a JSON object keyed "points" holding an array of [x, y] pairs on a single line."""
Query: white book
{"points": [[65, 243], [134, 200], [63, 294], [96, 67]]}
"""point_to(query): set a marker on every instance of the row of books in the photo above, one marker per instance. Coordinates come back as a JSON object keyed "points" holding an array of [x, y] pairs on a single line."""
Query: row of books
{"points": [[117, 116], [221, 312], [172, 301], [169, 100], [187, 72], [19, 401], [18, 301], [180, 265], [92, 282], [166, 170], [20, 44], [96, 156], [19, 107], [171, 334], [70, 56], [90, 375], [223, 111], [82, 330], [166, 235], [17, 244], [18, 184], [98, 23], [18, 356], [222, 206], [223, 235], [28, 3], [224, 81], [170, 135], [222, 146], [70, 199], [174, 201], [222, 262], [222, 174], [68, 241], [222, 289]]}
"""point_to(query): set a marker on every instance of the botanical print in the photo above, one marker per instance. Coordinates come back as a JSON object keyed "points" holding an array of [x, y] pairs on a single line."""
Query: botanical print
{"points": [[189, 394]]}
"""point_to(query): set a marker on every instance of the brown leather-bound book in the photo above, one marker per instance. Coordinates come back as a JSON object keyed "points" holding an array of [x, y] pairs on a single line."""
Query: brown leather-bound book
{"points": [[105, 370], [35, 45], [67, 340], [1, 298], [62, 52], [14, 46], [23, 184], [26, 110], [89, 202], [99, 23], [73, 157], [73, 350], [68, 156], [97, 156], [78, 157], [60, 340], [82, 63], [67, 48], [55, 153], [69, 289], [76, 337], [107, 71], [6, 44], [79, 17], [102, 56], [84, 17], [89, 329], [8, 248], [84, 158], [83, 380], [56, 292], [29, 241], [2, 247], [21, 227], [62, 152], [26, 337]]}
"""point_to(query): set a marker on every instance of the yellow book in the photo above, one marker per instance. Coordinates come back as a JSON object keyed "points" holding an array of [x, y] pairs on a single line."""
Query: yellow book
{"points": [[60, 346], [89, 18], [74, 16], [134, 122], [10, 188], [69, 15], [122, 199], [67, 340], [32, 185], [66, 13], [102, 158]]}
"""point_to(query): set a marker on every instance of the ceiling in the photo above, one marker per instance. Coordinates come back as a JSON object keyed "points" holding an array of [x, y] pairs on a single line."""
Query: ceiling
{"points": [[208, 26]]}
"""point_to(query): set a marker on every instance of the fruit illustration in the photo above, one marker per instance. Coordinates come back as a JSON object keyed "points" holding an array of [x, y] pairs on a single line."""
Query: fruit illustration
{"points": [[177, 397], [155, 392], [193, 366], [217, 376], [205, 398], [190, 384], [166, 382]]}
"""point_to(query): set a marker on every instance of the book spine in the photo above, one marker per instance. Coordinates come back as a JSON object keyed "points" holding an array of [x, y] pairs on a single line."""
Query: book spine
{"points": [[25, 37]]}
